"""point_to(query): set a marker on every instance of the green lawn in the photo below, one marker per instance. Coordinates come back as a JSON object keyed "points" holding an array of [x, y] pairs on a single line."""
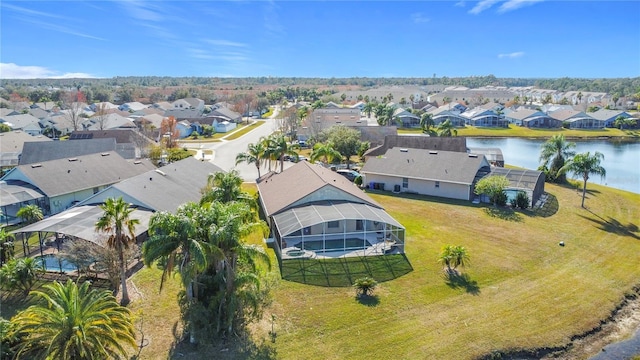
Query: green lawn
{"points": [[522, 289], [519, 131], [245, 129]]}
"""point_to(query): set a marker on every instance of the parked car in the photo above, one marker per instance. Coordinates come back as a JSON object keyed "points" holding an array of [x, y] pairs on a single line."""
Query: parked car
{"points": [[349, 174]]}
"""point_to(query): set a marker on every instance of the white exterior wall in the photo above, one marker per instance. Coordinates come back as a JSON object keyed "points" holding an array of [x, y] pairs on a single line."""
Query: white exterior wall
{"points": [[60, 203], [423, 187]]}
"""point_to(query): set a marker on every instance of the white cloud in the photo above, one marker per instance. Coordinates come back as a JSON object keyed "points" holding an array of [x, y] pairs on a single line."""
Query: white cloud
{"points": [[219, 42], [512, 55], [460, 4], [142, 11], [419, 18], [482, 6], [516, 4], [14, 71]]}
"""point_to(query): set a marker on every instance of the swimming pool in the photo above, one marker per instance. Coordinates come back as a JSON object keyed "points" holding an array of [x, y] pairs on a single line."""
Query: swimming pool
{"points": [[52, 262], [334, 244]]}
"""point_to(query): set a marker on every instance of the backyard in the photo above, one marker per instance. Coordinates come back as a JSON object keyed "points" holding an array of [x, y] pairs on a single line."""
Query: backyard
{"points": [[521, 291], [520, 131]]}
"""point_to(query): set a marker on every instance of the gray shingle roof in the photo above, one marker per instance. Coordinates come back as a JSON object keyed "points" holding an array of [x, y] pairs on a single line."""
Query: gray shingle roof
{"points": [[64, 176], [446, 166], [162, 189], [279, 191], [36, 152]]}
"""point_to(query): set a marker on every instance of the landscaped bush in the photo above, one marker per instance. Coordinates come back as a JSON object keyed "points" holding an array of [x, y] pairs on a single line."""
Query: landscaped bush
{"points": [[364, 286], [358, 180], [501, 199], [522, 200]]}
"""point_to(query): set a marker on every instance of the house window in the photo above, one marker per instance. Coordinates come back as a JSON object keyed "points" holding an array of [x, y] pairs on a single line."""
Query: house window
{"points": [[359, 225], [95, 190], [307, 230], [333, 224], [405, 183], [437, 184]]}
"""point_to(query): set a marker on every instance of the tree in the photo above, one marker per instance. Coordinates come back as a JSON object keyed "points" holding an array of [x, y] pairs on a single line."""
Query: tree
{"points": [[554, 152], [21, 274], [168, 132], [74, 322], [73, 104], [492, 186], [579, 96], [326, 151], [446, 129], [101, 116], [7, 249], [30, 213], [253, 155], [368, 108], [453, 256], [385, 115], [180, 242], [585, 164], [426, 122], [279, 148], [365, 286], [225, 187], [345, 140], [116, 221], [4, 128], [318, 104]]}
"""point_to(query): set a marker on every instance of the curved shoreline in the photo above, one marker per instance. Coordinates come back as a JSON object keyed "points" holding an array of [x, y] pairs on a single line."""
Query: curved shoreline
{"points": [[622, 324]]}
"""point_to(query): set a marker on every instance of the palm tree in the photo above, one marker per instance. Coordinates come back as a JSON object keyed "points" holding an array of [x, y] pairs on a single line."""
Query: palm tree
{"points": [[225, 187], [21, 274], [454, 256], [253, 155], [234, 262], [179, 240], [74, 322], [446, 129], [555, 151], [116, 222], [7, 250], [318, 104], [30, 213], [426, 122], [386, 117], [326, 152], [282, 148], [585, 164], [368, 108]]}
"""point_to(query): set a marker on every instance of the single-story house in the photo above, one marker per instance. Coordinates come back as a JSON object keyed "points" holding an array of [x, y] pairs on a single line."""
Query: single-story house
{"points": [[67, 181], [406, 118], [313, 211], [577, 119], [447, 174], [25, 122], [532, 119], [484, 117], [443, 113], [609, 116], [224, 126], [12, 145]]}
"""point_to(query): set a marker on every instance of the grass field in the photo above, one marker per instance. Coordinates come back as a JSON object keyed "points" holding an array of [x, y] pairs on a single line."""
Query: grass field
{"points": [[519, 131], [521, 291]]}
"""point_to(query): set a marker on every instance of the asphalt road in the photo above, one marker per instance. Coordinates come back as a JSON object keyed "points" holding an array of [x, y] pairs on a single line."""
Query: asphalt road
{"points": [[224, 152]]}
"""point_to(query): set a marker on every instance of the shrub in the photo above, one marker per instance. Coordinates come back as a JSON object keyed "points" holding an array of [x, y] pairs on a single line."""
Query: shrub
{"points": [[501, 199], [358, 180], [364, 286], [522, 200]]}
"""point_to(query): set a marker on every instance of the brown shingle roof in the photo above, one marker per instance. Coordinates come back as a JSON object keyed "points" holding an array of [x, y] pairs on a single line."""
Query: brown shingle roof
{"points": [[280, 191]]}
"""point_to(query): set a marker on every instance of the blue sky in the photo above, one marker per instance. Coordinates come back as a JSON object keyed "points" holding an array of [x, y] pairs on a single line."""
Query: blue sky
{"points": [[510, 38]]}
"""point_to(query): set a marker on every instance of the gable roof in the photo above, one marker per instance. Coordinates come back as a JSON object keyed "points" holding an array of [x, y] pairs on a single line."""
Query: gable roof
{"points": [[568, 114], [64, 176], [183, 113], [453, 143], [225, 112], [162, 189], [36, 152], [446, 166], [12, 144], [279, 191], [523, 113], [21, 121], [606, 114]]}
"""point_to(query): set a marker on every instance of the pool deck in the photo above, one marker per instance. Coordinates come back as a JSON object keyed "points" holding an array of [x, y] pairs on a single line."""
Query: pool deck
{"points": [[380, 248]]}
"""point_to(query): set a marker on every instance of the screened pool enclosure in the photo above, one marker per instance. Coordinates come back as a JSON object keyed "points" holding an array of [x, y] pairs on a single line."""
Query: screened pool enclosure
{"points": [[336, 229]]}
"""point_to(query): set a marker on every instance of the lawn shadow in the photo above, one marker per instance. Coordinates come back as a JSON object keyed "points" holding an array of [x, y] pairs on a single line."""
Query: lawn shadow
{"points": [[549, 208], [614, 226], [504, 214], [343, 271], [456, 280], [368, 300]]}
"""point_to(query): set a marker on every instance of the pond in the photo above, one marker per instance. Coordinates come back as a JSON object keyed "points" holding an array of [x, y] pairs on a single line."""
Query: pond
{"points": [[621, 159]]}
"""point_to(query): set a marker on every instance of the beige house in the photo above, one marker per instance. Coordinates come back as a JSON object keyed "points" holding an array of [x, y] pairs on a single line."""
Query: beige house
{"points": [[313, 211]]}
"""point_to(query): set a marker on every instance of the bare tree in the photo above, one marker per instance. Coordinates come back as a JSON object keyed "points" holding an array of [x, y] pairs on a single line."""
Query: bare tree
{"points": [[101, 116], [73, 103]]}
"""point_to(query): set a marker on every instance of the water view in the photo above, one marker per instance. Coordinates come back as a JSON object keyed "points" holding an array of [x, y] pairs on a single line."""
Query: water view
{"points": [[621, 159]]}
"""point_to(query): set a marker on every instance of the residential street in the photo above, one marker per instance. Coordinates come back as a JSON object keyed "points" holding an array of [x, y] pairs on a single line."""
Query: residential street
{"points": [[224, 153]]}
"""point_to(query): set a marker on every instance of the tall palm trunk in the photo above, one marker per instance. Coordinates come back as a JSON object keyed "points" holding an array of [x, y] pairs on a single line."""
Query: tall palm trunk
{"points": [[584, 189], [123, 275]]}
